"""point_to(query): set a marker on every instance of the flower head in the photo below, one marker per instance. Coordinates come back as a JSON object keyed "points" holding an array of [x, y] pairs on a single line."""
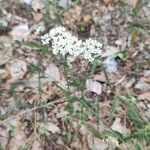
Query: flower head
{"points": [[91, 49], [45, 39], [63, 42]]}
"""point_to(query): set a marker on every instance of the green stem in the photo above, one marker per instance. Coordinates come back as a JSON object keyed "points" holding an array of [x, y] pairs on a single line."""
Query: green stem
{"points": [[67, 93], [66, 72]]}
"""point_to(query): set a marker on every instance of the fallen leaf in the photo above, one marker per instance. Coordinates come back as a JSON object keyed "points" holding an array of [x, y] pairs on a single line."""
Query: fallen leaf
{"points": [[130, 83], [4, 135], [52, 72], [94, 86], [144, 82], [96, 143], [63, 3], [37, 16], [87, 18], [5, 54], [28, 2], [17, 141], [36, 145], [99, 77], [17, 69], [72, 16], [145, 95], [111, 64], [108, 1], [147, 73], [131, 2], [118, 126], [37, 5], [51, 127], [76, 144], [141, 85], [20, 32], [109, 51], [3, 74]]}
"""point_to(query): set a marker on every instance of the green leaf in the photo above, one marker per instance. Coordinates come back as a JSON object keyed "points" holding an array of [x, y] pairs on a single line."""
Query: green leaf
{"points": [[137, 147], [30, 44], [44, 49], [115, 134], [73, 83], [141, 134], [134, 117], [86, 104]]}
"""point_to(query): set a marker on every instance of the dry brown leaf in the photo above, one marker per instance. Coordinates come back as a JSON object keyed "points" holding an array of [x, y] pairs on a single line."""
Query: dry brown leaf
{"points": [[36, 145], [72, 16], [37, 5], [131, 2], [4, 135], [17, 141], [52, 72], [51, 127], [87, 18], [108, 1], [5, 54], [96, 143], [3, 74], [130, 83], [20, 32], [147, 79], [94, 86], [99, 77], [118, 126], [37, 16], [110, 51], [145, 95], [17, 69]]}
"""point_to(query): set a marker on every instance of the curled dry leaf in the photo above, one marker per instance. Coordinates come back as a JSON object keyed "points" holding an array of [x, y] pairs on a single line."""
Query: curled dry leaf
{"points": [[17, 69], [94, 86]]}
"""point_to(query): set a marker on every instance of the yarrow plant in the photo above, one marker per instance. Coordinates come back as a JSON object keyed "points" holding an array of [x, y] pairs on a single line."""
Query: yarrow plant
{"points": [[63, 42]]}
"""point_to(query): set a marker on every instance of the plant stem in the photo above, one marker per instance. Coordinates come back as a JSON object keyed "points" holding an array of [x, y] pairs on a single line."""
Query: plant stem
{"points": [[67, 93], [66, 72]]}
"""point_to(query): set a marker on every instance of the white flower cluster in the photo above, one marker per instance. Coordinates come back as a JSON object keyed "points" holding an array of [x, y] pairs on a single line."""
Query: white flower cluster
{"points": [[63, 42]]}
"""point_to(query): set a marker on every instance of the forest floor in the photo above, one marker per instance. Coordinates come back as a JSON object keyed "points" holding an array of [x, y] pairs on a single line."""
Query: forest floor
{"points": [[34, 111]]}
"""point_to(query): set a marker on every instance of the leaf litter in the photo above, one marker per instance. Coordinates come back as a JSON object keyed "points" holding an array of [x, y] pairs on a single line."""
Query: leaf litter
{"points": [[22, 85]]}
